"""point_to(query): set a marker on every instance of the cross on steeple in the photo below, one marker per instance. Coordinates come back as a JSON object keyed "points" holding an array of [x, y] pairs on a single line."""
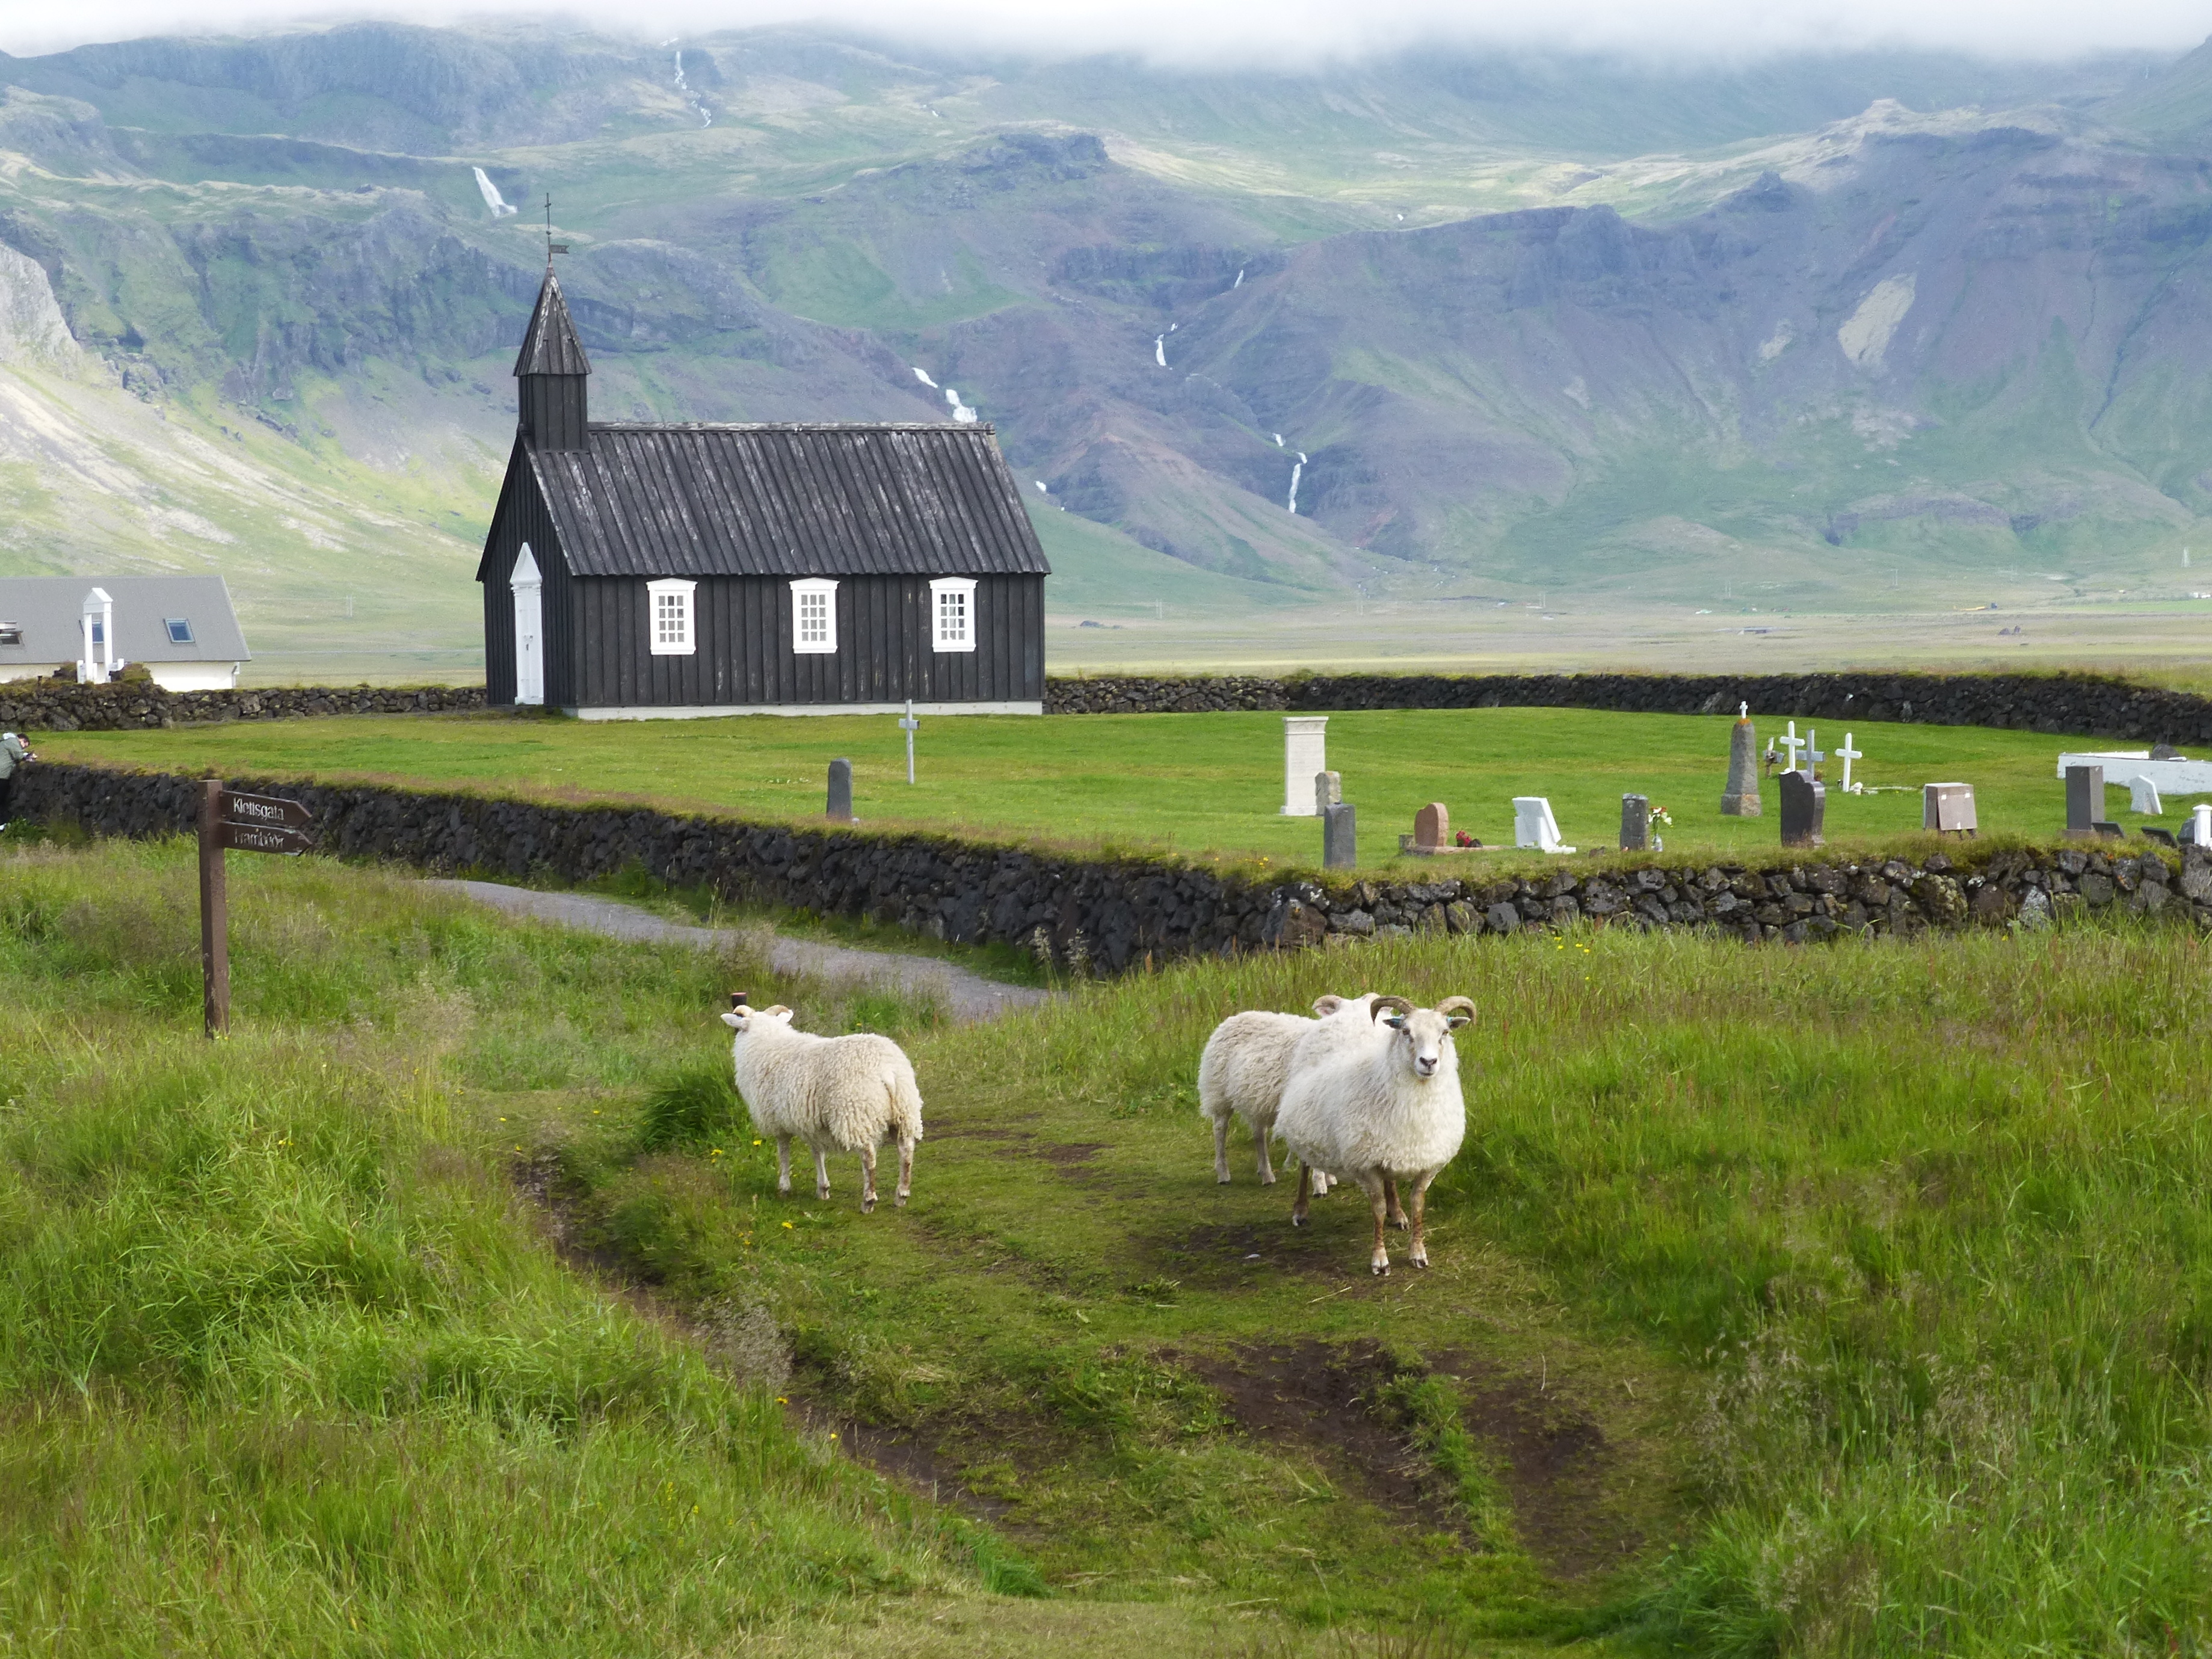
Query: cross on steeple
{"points": [[552, 247]]}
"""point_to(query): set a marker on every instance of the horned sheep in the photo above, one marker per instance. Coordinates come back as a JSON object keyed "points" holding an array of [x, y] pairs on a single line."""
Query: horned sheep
{"points": [[1247, 1063], [1383, 1110], [845, 1093]]}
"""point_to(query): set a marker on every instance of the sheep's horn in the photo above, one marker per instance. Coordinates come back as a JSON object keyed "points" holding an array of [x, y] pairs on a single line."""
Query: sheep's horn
{"points": [[1381, 1003], [1450, 1003], [738, 1001], [1328, 1004]]}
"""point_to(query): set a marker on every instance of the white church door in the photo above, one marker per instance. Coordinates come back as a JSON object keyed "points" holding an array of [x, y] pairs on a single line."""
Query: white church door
{"points": [[529, 629]]}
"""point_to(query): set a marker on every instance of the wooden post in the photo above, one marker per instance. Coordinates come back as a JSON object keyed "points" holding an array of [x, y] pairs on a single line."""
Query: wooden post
{"points": [[214, 911]]}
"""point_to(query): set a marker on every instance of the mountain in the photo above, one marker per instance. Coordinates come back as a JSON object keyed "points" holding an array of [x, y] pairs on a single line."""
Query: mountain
{"points": [[1851, 331]]}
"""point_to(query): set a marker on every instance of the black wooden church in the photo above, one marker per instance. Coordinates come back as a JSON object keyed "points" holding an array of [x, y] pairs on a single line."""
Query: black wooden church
{"points": [[636, 571]]}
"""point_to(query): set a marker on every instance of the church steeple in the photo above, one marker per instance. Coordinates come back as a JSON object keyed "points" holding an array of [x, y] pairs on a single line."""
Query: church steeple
{"points": [[553, 404]]}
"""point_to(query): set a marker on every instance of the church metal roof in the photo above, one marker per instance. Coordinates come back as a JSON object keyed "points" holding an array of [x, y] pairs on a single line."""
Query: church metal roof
{"points": [[550, 346], [688, 500]]}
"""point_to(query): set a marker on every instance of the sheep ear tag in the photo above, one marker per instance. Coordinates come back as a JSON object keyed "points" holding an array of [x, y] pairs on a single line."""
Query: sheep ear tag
{"points": [[1395, 1021], [1457, 1020]]}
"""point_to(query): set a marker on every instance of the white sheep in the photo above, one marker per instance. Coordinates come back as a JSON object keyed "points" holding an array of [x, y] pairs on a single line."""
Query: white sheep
{"points": [[848, 1093], [1381, 1110], [1245, 1065]]}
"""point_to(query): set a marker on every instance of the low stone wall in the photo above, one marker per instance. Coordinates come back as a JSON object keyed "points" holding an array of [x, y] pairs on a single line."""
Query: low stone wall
{"points": [[36, 705], [2090, 704], [1107, 916]]}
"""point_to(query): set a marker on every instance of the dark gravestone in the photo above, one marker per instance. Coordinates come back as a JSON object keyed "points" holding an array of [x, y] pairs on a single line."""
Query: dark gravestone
{"points": [[1340, 842], [2163, 837], [1804, 811], [1635, 824], [2085, 799], [840, 791]]}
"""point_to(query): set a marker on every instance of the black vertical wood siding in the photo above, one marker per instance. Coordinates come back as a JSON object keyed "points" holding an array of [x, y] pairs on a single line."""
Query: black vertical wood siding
{"points": [[742, 627], [521, 517]]}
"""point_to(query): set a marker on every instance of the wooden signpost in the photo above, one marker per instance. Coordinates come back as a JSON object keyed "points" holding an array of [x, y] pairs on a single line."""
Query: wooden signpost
{"points": [[251, 823]]}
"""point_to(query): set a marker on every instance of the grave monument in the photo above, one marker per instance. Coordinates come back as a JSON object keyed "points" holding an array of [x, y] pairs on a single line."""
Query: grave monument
{"points": [[1635, 824], [1339, 838], [1948, 808], [1305, 752], [840, 791], [1804, 810], [1740, 798], [2085, 799], [1534, 826]]}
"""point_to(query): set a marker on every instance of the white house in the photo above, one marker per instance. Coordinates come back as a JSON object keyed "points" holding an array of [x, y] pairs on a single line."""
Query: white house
{"points": [[182, 627]]}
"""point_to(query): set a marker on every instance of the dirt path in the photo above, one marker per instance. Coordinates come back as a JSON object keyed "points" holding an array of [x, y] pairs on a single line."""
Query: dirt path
{"points": [[966, 995]]}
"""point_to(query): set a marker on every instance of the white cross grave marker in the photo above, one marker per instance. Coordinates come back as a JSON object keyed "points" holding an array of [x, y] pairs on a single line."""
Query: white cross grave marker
{"points": [[1813, 754], [1847, 755], [909, 726], [1793, 743]]}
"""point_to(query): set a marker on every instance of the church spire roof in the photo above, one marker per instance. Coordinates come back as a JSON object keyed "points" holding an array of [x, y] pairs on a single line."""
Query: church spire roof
{"points": [[551, 346]]}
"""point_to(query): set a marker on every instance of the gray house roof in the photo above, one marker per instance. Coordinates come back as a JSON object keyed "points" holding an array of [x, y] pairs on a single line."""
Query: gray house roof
{"points": [[787, 501], [45, 609]]}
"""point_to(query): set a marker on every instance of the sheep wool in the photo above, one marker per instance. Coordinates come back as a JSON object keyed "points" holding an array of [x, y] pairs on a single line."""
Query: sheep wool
{"points": [[1383, 1109], [1246, 1064], [835, 1094]]}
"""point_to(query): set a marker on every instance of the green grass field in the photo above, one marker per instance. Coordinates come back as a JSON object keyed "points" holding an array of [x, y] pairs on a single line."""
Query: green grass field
{"points": [[1850, 1301], [1193, 784]]}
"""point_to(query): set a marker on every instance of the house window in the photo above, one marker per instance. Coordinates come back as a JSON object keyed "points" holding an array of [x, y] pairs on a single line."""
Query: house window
{"points": [[11, 633], [952, 613], [180, 630], [814, 617], [670, 618]]}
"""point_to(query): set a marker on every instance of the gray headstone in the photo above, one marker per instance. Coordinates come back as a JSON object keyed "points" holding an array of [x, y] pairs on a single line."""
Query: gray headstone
{"points": [[840, 791], [1635, 824], [1740, 798], [1948, 807], [1328, 790], [2085, 799], [1804, 809], [1339, 839]]}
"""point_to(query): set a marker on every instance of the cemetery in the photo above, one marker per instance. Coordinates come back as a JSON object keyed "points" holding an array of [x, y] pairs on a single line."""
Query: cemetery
{"points": [[1513, 786]]}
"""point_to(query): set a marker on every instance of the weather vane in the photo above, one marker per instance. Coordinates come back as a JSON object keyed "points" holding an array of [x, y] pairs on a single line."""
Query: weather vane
{"points": [[552, 247]]}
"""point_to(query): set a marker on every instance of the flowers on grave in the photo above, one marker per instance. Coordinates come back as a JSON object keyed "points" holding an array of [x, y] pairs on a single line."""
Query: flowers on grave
{"points": [[1462, 839], [1659, 815]]}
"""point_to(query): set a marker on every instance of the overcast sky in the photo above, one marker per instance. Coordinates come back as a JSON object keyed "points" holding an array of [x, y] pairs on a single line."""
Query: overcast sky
{"points": [[1276, 33]]}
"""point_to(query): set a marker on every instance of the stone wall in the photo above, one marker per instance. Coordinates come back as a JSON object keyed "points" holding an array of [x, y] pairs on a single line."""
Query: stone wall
{"points": [[2087, 704], [36, 705], [1106, 916]]}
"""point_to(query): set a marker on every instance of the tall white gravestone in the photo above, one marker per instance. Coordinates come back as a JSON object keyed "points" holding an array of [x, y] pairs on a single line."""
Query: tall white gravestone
{"points": [[1306, 754]]}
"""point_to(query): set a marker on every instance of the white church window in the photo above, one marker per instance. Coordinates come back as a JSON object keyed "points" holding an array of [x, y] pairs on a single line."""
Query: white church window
{"points": [[814, 617], [952, 613], [671, 620]]}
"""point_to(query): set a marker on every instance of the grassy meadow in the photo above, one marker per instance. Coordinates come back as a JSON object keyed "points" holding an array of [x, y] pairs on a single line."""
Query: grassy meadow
{"points": [[1197, 785], [1847, 1301]]}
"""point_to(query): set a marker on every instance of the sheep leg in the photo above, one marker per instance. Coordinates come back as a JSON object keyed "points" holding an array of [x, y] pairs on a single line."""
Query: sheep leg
{"points": [[1397, 1210], [1221, 1150], [1420, 1254], [867, 1179], [1261, 1134], [783, 1166], [906, 1171], [1380, 1260], [1305, 1192], [1321, 1179], [821, 1173]]}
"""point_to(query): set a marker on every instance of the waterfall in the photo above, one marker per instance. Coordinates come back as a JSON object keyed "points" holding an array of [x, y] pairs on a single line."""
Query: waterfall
{"points": [[492, 199]]}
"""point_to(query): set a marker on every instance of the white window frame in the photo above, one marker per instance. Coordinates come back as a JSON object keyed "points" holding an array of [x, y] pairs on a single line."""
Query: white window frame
{"points": [[804, 588], [963, 588], [682, 640]]}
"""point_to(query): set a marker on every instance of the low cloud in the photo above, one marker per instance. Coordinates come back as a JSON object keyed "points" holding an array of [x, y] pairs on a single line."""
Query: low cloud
{"points": [[1282, 33]]}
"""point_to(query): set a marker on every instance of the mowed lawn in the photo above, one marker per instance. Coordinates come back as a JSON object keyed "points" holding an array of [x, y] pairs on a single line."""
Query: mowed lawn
{"points": [[1195, 784]]}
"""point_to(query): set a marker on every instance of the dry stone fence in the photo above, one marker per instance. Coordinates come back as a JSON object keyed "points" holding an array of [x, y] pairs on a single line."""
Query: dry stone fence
{"points": [[1109, 914]]}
